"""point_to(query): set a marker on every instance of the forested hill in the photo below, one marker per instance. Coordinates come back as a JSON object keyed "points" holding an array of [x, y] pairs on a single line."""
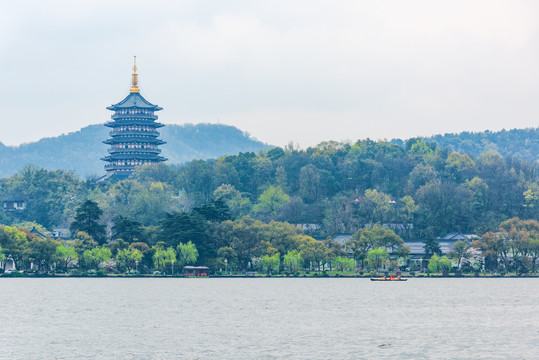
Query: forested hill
{"points": [[82, 150], [519, 143]]}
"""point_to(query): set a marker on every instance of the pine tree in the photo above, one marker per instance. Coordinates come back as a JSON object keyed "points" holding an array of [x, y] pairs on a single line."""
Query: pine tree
{"points": [[87, 220]]}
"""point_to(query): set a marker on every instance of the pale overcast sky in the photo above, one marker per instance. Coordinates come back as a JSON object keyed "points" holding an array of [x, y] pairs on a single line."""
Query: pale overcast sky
{"points": [[300, 71]]}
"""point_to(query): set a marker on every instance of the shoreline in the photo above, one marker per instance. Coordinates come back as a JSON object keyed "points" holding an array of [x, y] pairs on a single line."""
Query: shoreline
{"points": [[124, 276]]}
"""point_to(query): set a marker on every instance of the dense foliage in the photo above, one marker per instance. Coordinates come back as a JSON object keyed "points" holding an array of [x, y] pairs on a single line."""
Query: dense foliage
{"points": [[519, 143], [241, 207]]}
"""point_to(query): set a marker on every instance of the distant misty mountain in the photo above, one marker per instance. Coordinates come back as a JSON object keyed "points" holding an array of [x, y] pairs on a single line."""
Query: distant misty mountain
{"points": [[519, 143], [82, 150]]}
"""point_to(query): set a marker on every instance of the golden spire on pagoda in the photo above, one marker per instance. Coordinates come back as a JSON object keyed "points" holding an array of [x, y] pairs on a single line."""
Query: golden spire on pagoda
{"points": [[134, 81]]}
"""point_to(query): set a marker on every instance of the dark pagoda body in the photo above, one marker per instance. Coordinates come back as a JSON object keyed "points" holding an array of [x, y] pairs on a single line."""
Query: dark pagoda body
{"points": [[133, 137]]}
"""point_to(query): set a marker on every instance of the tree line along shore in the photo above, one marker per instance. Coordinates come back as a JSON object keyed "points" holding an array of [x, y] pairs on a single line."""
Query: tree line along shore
{"points": [[279, 211]]}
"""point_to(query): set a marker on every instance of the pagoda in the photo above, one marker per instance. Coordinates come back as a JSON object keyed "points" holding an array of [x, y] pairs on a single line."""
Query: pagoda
{"points": [[133, 136]]}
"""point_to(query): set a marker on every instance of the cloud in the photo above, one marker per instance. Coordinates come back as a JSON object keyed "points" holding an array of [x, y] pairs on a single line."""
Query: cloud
{"points": [[315, 70]]}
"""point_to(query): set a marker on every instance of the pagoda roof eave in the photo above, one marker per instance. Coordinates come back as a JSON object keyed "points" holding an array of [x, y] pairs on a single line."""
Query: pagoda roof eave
{"points": [[133, 156], [119, 139], [122, 122], [134, 100]]}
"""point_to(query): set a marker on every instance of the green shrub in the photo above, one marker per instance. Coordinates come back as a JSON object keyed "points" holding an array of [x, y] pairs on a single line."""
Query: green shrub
{"points": [[101, 273]]}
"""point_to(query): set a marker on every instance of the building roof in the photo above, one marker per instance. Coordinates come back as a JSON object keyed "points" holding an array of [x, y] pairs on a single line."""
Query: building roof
{"points": [[342, 238], [38, 233], [454, 236], [132, 100], [417, 247]]}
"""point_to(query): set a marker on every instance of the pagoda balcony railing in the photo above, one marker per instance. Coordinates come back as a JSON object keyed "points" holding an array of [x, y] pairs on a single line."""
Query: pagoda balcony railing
{"points": [[119, 167], [133, 116], [125, 167], [133, 151], [134, 132]]}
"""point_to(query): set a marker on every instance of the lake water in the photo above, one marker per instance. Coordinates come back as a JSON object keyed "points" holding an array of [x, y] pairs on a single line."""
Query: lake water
{"points": [[80, 318]]}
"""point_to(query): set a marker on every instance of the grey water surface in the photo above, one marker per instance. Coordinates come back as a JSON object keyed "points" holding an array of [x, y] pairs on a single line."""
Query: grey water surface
{"points": [[268, 318]]}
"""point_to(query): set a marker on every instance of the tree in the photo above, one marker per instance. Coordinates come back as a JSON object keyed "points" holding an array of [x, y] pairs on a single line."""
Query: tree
{"points": [[459, 166], [270, 263], [214, 211], [335, 249], [126, 259], [126, 229], [238, 205], [83, 242], [377, 257], [421, 174], [170, 256], [493, 247], [345, 264], [117, 245], [292, 260], [159, 256], [444, 208], [309, 183], [480, 200], [243, 236], [377, 236], [375, 206], [432, 247], [312, 250], [65, 256], [533, 252], [531, 200], [280, 235], [150, 203], [162, 257], [444, 265], [407, 212], [13, 241], [179, 228], [437, 264], [43, 253], [87, 219], [271, 201], [432, 267], [519, 235], [146, 255], [93, 258], [459, 251], [281, 178], [187, 254], [229, 255], [50, 194]]}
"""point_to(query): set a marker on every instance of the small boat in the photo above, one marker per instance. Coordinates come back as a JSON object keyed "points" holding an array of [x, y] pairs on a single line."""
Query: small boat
{"points": [[397, 277], [388, 279]]}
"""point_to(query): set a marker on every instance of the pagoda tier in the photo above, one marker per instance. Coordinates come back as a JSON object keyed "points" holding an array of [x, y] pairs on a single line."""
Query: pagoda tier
{"points": [[133, 137]]}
